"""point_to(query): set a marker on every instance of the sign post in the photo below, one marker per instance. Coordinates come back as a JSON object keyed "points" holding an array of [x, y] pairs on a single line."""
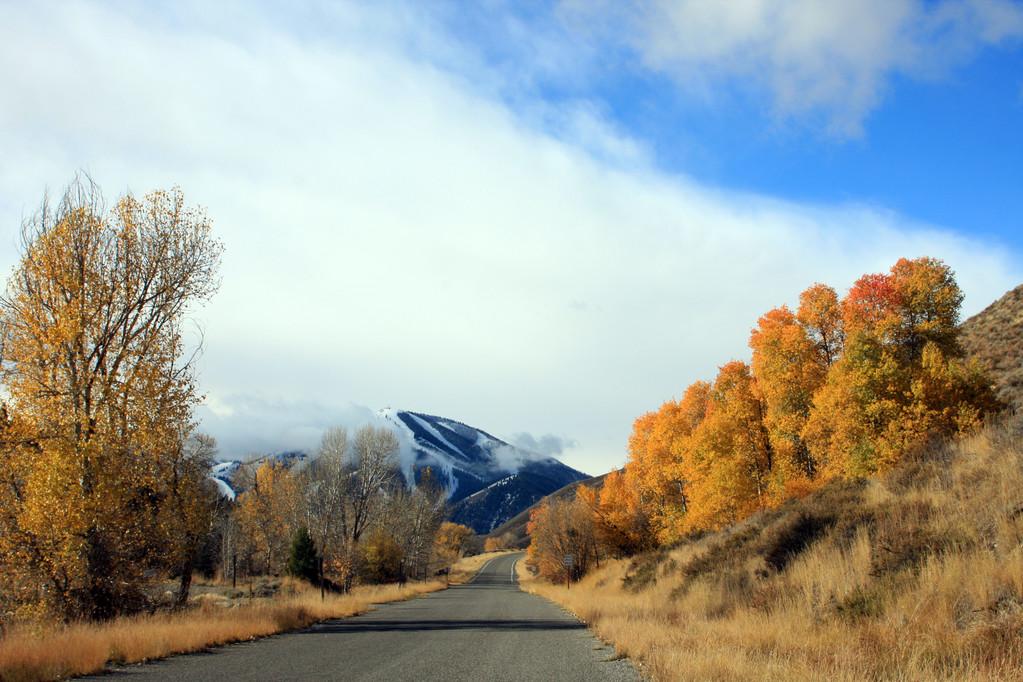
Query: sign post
{"points": [[569, 562]]}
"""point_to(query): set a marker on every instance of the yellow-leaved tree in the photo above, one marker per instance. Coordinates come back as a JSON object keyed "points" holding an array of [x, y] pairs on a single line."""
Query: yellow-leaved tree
{"points": [[659, 458], [100, 392], [731, 459], [449, 542], [620, 521], [269, 513], [789, 369]]}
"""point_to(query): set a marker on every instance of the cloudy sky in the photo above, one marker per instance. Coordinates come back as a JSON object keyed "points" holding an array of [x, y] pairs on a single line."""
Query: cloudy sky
{"points": [[542, 219]]}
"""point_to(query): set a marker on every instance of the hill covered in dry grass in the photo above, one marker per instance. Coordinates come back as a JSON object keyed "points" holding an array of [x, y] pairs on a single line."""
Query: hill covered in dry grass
{"points": [[915, 576], [994, 336]]}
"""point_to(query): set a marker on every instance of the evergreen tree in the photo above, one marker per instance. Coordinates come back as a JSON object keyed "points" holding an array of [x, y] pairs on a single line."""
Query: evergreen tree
{"points": [[304, 562]]}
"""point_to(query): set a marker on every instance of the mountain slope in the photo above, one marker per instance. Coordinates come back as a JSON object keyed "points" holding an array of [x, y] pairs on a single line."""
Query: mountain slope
{"points": [[514, 529], [917, 575], [488, 480], [902, 576], [508, 497], [994, 337]]}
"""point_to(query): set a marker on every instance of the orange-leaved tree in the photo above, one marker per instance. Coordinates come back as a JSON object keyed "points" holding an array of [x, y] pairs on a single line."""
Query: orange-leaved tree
{"points": [[619, 521], [902, 380], [820, 314], [562, 542], [789, 369], [731, 459], [658, 460]]}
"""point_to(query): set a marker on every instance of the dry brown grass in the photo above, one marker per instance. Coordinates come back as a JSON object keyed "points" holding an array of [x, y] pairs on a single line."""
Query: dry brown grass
{"points": [[995, 338], [916, 577], [467, 567], [56, 653]]}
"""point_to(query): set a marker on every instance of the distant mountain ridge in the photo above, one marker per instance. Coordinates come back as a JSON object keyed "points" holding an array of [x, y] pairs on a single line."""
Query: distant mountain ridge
{"points": [[487, 479], [513, 530]]}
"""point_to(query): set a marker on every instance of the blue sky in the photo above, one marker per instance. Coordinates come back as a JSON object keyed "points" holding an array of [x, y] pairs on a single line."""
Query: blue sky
{"points": [[538, 218], [943, 146]]}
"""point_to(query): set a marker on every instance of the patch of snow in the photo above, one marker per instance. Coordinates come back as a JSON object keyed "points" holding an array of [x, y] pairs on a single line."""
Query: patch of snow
{"points": [[435, 433], [225, 490], [225, 468]]}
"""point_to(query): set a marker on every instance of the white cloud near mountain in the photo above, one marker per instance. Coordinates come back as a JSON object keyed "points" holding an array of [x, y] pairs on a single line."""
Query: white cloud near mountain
{"points": [[397, 234], [547, 444], [810, 57]]}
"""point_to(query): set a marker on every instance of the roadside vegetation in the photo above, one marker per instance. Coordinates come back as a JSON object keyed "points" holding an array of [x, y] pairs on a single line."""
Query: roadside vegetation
{"points": [[58, 652], [108, 512], [917, 575], [219, 614], [835, 509]]}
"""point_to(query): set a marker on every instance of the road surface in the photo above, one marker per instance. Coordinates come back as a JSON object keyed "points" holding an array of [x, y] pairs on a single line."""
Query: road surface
{"points": [[485, 630]]}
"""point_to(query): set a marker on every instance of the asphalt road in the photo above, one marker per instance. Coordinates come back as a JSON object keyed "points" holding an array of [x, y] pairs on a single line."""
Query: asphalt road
{"points": [[485, 630]]}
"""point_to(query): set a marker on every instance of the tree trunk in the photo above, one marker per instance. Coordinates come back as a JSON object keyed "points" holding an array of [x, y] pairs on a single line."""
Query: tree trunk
{"points": [[100, 596], [186, 583]]}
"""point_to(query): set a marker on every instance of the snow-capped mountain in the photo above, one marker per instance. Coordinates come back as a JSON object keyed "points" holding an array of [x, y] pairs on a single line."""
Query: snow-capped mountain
{"points": [[488, 480]]}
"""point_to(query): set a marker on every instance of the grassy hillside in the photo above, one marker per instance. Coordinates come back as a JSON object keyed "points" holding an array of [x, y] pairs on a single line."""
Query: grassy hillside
{"points": [[995, 337], [914, 576], [917, 576]]}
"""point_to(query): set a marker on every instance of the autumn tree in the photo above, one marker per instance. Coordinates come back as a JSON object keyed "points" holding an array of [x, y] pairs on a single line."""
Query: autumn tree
{"points": [[326, 483], [820, 315], [381, 557], [498, 543], [562, 542], [415, 516], [902, 380], [620, 522], [789, 368], [657, 470], [731, 459], [27, 575], [449, 542], [352, 480], [269, 513], [190, 508], [95, 368]]}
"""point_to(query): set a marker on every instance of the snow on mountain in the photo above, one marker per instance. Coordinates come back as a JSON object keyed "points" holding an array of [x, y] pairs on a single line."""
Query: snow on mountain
{"points": [[225, 488], [487, 479], [224, 473], [465, 457]]}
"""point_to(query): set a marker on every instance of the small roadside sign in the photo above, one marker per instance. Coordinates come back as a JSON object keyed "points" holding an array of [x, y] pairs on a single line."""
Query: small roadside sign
{"points": [[569, 560]]}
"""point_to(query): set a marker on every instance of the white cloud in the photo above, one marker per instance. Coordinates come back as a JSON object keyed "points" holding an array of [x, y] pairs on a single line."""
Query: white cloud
{"points": [[547, 444], [829, 57], [397, 235]]}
